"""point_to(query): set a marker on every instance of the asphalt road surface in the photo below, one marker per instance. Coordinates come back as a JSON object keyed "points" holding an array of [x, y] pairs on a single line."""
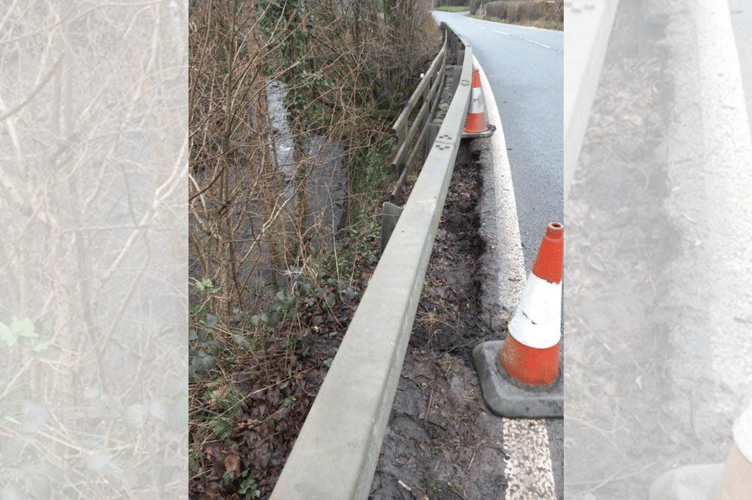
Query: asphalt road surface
{"points": [[525, 67]]}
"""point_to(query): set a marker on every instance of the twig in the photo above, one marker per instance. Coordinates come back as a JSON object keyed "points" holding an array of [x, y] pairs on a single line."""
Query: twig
{"points": [[457, 493], [613, 476], [428, 408], [399, 481]]}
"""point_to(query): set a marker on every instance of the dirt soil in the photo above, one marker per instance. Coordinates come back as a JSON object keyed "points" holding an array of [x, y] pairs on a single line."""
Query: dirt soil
{"points": [[441, 441], [449, 317], [625, 249]]}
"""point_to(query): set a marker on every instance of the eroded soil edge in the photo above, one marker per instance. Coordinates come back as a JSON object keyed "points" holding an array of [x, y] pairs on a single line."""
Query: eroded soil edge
{"points": [[441, 441]]}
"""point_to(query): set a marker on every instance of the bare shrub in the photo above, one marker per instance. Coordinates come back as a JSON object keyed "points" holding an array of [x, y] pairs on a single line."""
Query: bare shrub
{"points": [[497, 9], [262, 224], [527, 11], [345, 67], [92, 260]]}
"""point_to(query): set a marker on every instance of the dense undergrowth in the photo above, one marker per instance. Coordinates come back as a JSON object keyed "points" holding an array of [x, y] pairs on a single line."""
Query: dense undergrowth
{"points": [[268, 306], [538, 13]]}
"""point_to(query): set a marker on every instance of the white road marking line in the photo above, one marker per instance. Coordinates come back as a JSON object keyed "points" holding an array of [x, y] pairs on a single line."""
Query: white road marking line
{"points": [[722, 92], [528, 469], [502, 32], [541, 44]]}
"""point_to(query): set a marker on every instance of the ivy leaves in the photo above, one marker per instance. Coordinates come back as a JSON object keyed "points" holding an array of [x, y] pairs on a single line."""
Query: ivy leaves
{"points": [[21, 331]]}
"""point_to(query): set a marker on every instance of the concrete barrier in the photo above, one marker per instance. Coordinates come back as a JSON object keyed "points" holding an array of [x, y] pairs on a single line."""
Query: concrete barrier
{"points": [[589, 24], [335, 455]]}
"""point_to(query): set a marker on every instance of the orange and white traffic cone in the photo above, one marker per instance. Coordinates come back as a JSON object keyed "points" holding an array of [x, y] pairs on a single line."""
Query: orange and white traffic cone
{"points": [[476, 124], [520, 376], [531, 352]]}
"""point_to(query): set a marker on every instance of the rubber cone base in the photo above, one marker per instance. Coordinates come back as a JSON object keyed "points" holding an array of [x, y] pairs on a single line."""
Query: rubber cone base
{"points": [[507, 397], [479, 135], [691, 482]]}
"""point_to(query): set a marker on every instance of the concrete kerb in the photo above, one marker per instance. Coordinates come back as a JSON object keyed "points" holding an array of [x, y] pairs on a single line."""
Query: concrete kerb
{"points": [[337, 449], [586, 37]]}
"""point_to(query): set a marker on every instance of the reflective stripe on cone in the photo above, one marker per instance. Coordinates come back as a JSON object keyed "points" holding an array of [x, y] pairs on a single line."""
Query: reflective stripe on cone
{"points": [[531, 350], [476, 116]]}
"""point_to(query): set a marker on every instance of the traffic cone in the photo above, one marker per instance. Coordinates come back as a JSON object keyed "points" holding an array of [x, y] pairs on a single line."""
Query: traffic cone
{"points": [[531, 352], [476, 124], [520, 376]]}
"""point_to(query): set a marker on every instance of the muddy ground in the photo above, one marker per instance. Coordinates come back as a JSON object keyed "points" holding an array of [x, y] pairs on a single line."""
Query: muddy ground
{"points": [[441, 441], [621, 177], [637, 402]]}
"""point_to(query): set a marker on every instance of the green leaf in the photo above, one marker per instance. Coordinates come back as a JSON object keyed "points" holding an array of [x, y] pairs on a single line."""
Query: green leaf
{"points": [[7, 335], [228, 476], [211, 320], [249, 484], [241, 341], [221, 428], [212, 348], [202, 363], [39, 346], [24, 328], [259, 318], [273, 319]]}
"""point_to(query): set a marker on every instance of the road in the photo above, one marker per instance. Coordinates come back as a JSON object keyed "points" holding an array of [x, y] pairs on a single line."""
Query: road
{"points": [[528, 90], [528, 84]]}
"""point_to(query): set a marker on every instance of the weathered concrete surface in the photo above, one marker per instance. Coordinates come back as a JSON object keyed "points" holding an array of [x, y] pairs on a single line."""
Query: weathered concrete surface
{"points": [[586, 38]]}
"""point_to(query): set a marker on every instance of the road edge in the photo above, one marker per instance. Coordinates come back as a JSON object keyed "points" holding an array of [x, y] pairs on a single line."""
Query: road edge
{"points": [[524, 439], [509, 245]]}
